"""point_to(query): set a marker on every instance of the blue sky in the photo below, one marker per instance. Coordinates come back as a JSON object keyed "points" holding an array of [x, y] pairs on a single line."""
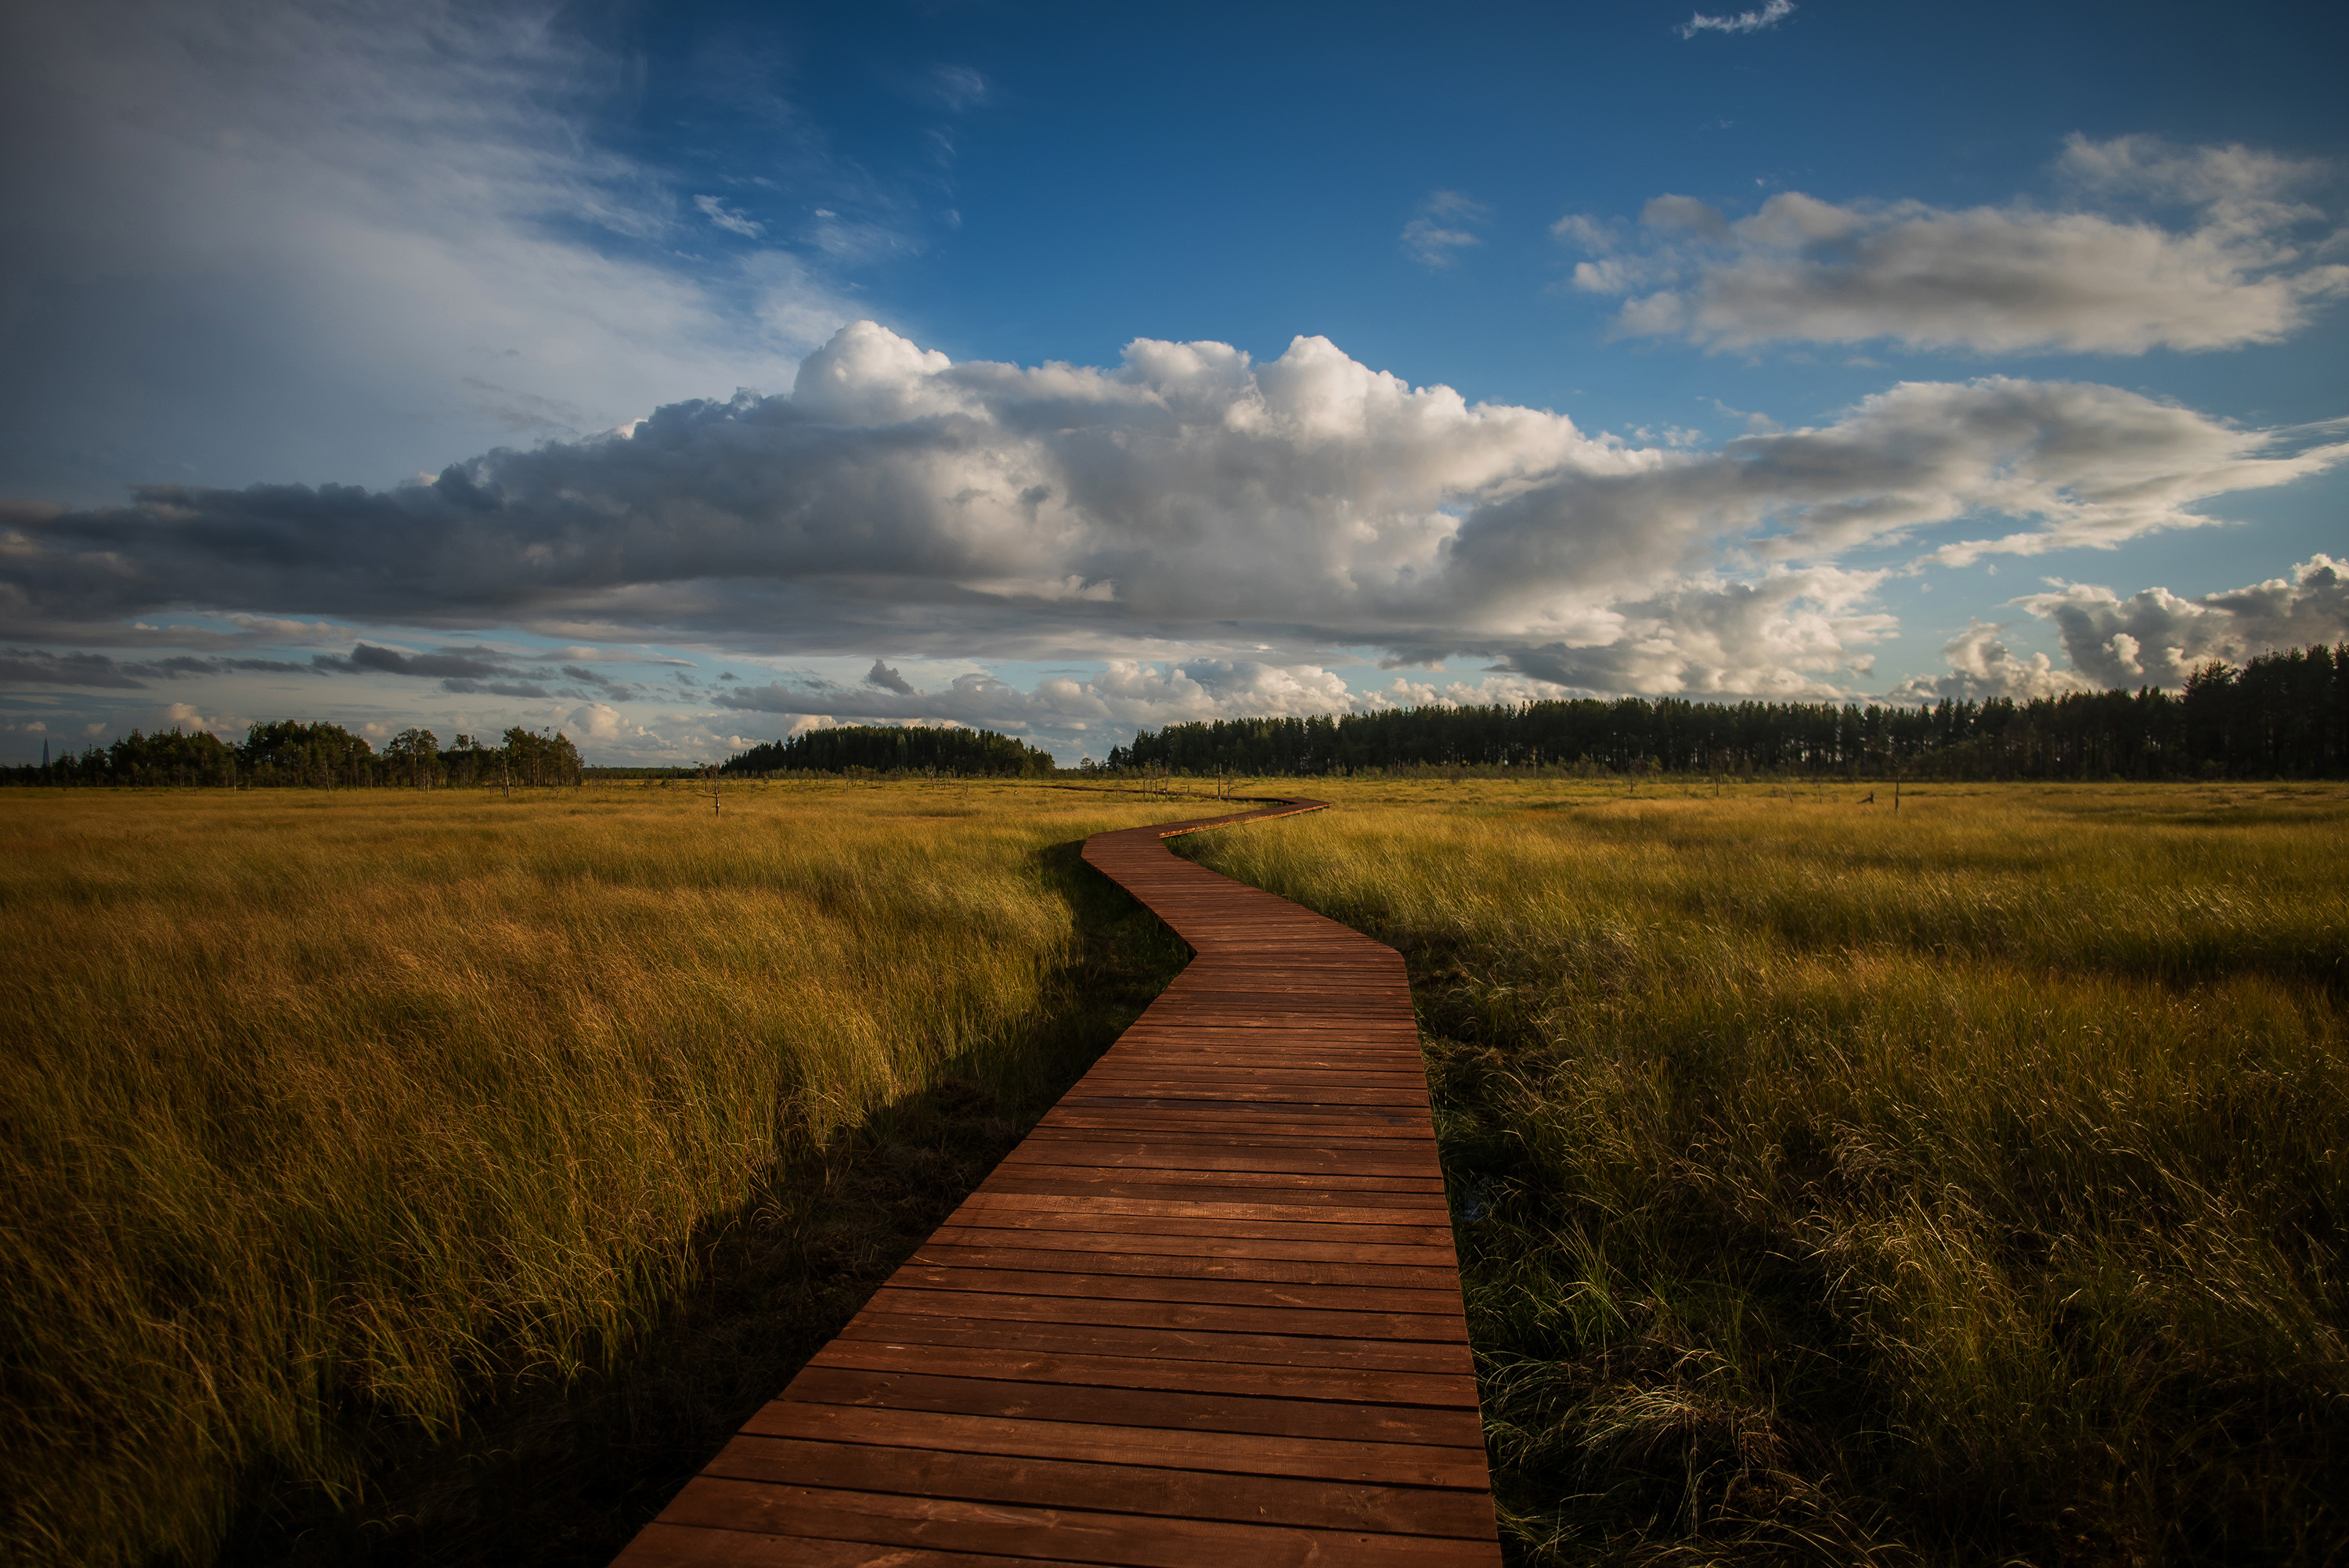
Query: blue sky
{"points": [[1210, 362]]}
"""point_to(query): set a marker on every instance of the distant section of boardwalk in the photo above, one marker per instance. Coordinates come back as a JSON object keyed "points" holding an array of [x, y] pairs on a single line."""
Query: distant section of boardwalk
{"points": [[1207, 1313]]}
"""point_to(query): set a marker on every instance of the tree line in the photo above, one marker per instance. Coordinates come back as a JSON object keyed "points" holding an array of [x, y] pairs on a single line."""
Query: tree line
{"points": [[882, 748], [2282, 715], [289, 754]]}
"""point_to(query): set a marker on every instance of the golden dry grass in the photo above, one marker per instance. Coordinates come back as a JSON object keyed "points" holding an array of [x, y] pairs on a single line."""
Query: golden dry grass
{"points": [[1967, 1185], [326, 1114]]}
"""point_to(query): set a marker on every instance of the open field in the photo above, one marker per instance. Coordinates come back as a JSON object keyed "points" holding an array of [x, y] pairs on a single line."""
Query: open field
{"points": [[360, 1145], [1962, 1186], [404, 1178]]}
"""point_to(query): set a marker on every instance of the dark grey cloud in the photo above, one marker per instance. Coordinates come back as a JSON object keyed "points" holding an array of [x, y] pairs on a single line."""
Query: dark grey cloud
{"points": [[449, 663], [887, 679], [37, 668], [598, 683], [190, 664], [30, 666], [478, 671], [520, 689]]}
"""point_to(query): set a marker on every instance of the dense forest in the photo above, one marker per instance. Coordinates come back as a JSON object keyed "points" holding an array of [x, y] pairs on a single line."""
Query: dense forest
{"points": [[289, 753], [2283, 715], [880, 748]]}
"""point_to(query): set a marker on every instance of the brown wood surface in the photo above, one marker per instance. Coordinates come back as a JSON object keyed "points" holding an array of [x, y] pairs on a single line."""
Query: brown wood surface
{"points": [[1207, 1313]]}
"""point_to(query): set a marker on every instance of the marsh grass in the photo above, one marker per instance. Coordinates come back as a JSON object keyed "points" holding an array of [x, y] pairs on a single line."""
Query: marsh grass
{"points": [[1967, 1185], [341, 1130]]}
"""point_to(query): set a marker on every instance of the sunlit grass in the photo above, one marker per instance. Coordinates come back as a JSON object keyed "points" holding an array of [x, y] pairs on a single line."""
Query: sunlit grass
{"points": [[330, 1113], [1967, 1184]]}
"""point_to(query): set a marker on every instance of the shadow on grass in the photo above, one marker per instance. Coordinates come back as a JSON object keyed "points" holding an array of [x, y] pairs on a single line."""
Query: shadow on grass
{"points": [[550, 1475]]}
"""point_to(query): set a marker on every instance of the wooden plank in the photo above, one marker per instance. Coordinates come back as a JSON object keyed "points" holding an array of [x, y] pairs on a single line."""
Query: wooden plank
{"points": [[977, 1306], [1183, 1265], [1023, 1480], [1319, 1209], [1209, 1154], [1274, 1067], [1238, 1453], [1302, 1153], [1007, 1215], [1422, 1255], [1053, 1535], [875, 1332], [1270, 1069], [1296, 1379], [1206, 1313], [664, 1545], [917, 1277], [1368, 1101], [1146, 1118], [1417, 1193]]}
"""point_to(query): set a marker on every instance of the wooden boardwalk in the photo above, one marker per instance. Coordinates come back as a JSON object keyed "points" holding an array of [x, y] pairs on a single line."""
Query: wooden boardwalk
{"points": [[1207, 1313]]}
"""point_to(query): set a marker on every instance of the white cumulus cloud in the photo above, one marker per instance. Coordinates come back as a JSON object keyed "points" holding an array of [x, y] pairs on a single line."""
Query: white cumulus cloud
{"points": [[1186, 499], [2243, 262], [2152, 638], [1213, 534], [2155, 638], [1983, 668]]}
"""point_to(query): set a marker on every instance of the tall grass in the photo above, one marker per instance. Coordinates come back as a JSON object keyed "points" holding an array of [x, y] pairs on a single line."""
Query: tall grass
{"points": [[1963, 1185], [328, 1115]]}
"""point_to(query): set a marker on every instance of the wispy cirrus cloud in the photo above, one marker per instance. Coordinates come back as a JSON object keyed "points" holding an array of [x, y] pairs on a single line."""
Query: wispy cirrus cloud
{"points": [[1768, 16], [2245, 261], [959, 88], [724, 217], [384, 235], [1441, 231]]}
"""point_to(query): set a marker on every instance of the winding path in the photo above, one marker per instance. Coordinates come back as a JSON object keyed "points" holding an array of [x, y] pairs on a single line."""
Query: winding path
{"points": [[1207, 1313]]}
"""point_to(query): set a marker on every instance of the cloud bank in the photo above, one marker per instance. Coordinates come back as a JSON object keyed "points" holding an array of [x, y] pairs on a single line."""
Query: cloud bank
{"points": [[1126, 693], [1187, 498], [2243, 260]]}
